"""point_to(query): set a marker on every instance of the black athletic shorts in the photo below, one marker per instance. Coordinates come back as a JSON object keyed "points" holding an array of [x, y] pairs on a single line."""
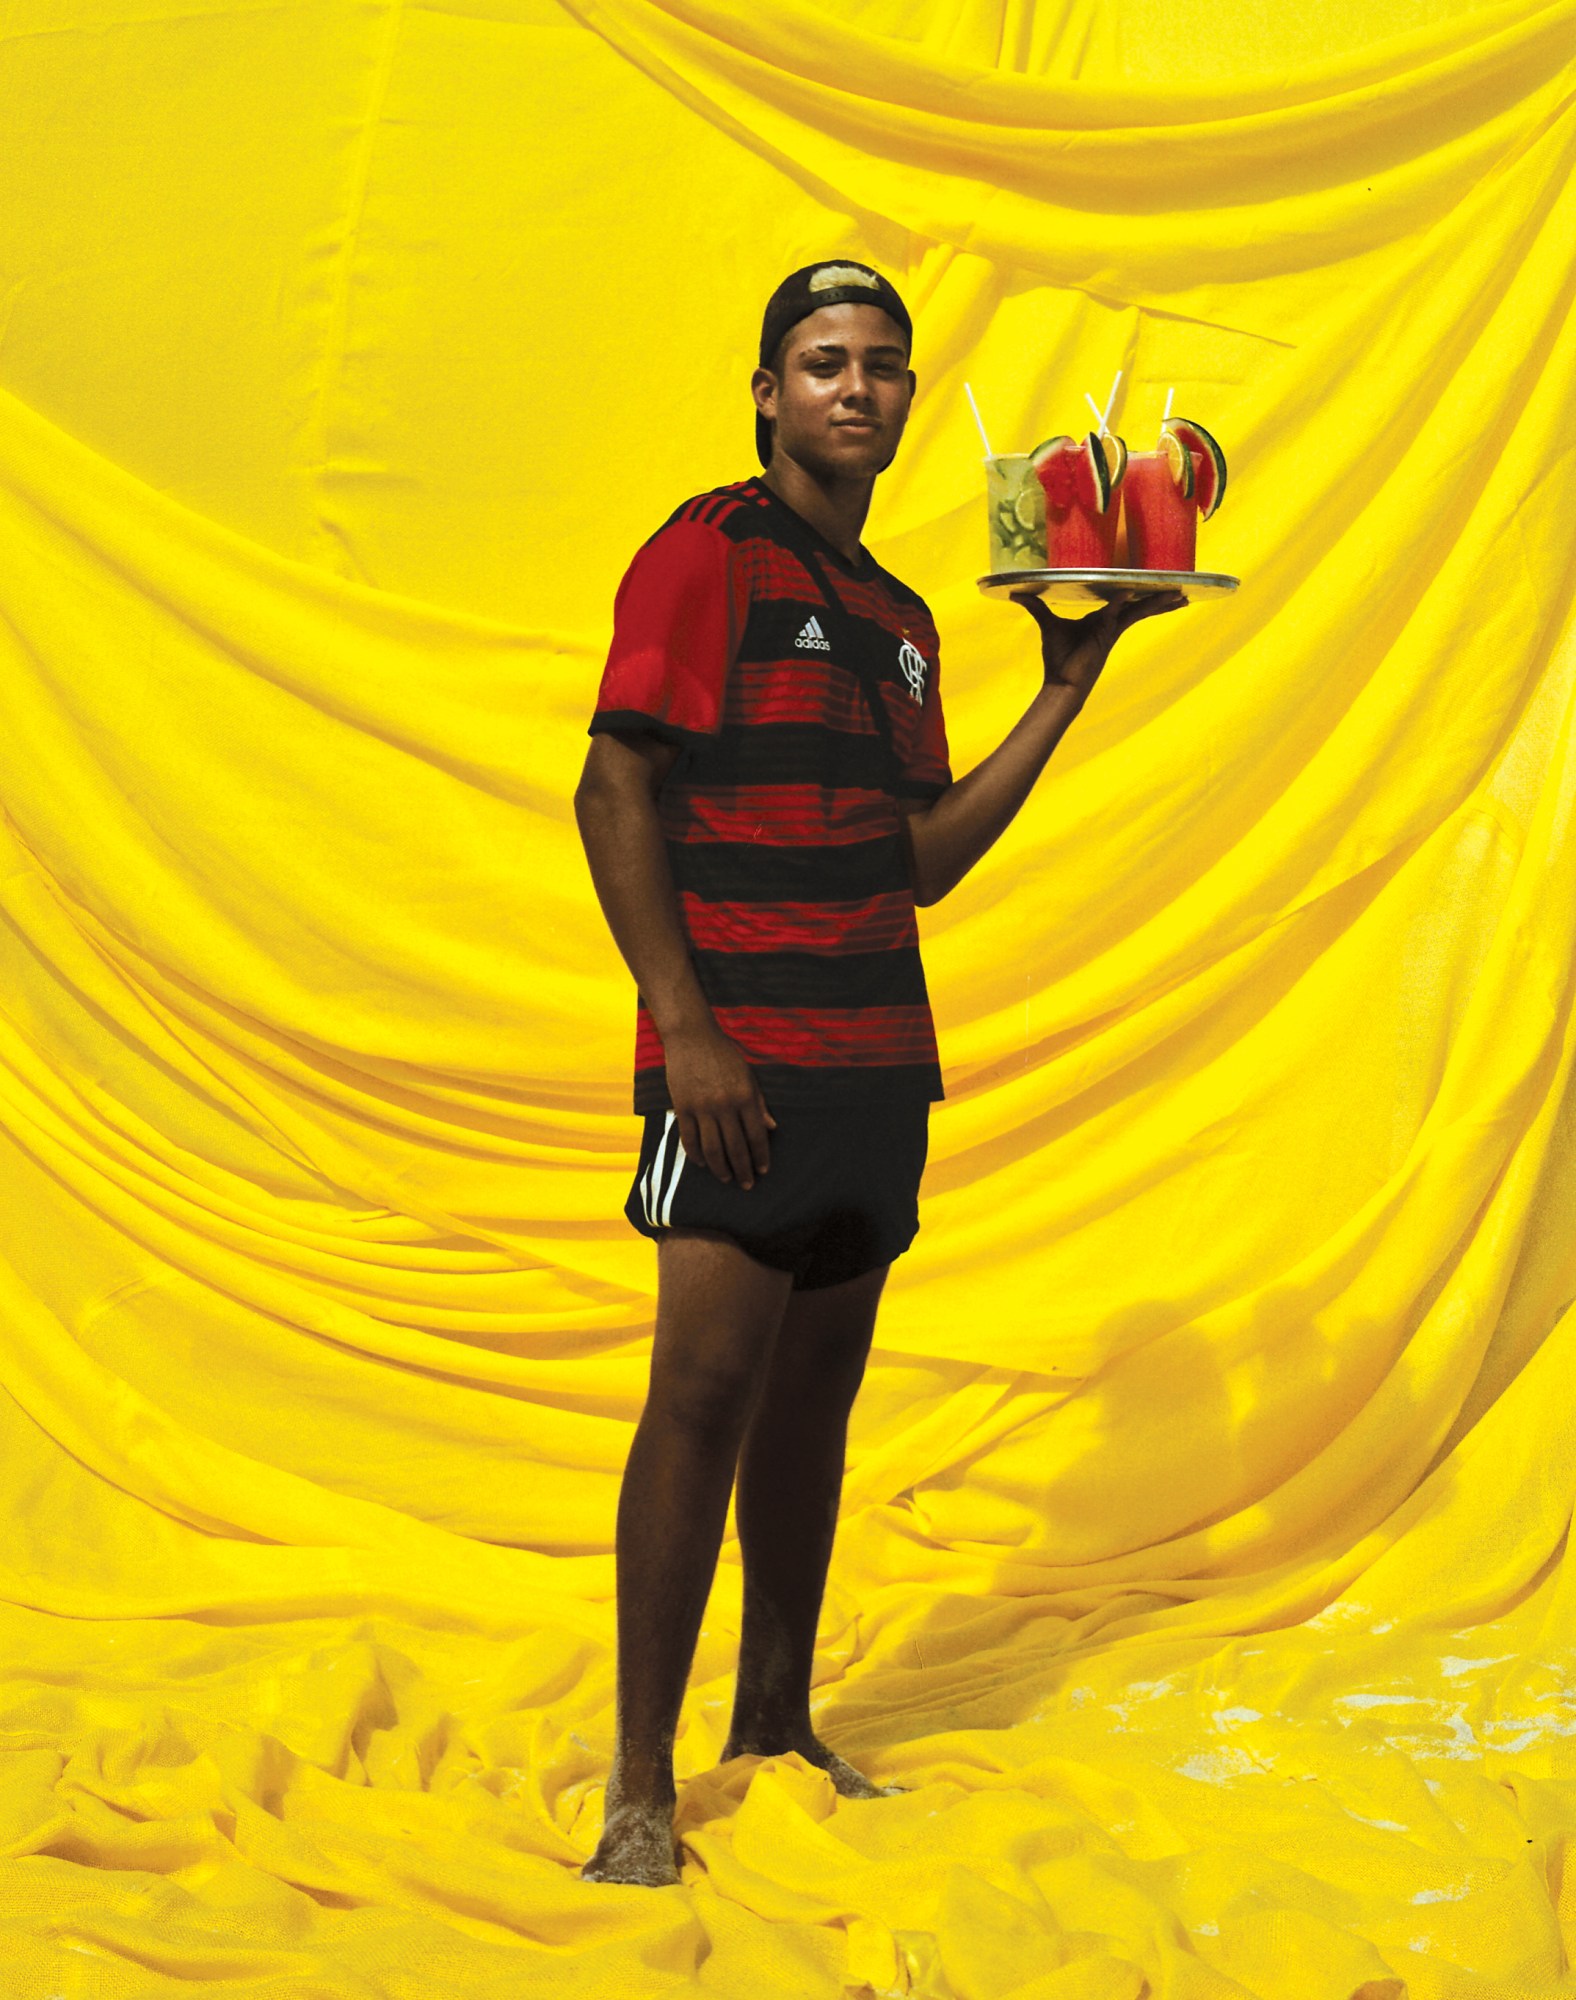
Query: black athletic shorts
{"points": [[840, 1198]]}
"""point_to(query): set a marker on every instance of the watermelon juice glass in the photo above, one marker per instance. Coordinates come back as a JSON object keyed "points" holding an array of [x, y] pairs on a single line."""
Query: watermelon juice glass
{"points": [[1167, 492], [1081, 479], [1162, 521]]}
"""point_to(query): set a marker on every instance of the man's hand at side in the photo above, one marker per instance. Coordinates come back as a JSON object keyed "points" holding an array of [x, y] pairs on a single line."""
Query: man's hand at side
{"points": [[722, 1117]]}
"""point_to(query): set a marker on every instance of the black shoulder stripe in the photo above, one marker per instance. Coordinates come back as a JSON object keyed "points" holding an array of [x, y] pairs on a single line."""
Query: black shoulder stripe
{"points": [[710, 509]]}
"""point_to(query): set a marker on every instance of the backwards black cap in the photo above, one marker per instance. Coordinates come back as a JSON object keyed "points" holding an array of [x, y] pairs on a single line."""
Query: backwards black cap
{"points": [[806, 291]]}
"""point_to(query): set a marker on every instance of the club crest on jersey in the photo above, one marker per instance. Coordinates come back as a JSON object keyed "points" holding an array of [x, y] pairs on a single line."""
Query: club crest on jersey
{"points": [[811, 638], [912, 661]]}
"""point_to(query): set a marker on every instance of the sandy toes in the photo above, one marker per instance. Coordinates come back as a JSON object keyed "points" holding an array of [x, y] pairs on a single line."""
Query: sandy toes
{"points": [[849, 1783], [636, 1846]]}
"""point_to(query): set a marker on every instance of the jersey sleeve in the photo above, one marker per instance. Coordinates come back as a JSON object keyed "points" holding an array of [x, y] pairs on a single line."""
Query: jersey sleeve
{"points": [[926, 769], [677, 622]]}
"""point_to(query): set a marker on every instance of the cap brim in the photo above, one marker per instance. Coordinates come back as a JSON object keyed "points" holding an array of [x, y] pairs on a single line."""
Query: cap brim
{"points": [[763, 439]]}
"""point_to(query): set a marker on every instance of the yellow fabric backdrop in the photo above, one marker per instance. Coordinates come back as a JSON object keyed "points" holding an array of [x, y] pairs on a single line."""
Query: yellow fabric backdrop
{"points": [[1204, 1561]]}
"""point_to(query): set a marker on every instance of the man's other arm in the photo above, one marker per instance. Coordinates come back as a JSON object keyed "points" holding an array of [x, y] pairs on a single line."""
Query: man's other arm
{"points": [[722, 1116]]}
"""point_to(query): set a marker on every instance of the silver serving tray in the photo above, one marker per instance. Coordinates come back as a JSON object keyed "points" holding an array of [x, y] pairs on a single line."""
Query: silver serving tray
{"points": [[1084, 589]]}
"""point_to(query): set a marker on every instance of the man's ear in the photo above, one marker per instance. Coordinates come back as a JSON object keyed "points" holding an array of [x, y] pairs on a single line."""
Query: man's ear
{"points": [[763, 387], [913, 383]]}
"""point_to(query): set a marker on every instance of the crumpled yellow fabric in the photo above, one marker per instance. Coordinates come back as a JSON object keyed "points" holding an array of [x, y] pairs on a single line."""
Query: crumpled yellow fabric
{"points": [[1203, 1565]]}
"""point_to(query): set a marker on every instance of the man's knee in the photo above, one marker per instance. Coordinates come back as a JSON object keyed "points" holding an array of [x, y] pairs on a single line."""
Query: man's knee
{"points": [[717, 1312], [706, 1399]]}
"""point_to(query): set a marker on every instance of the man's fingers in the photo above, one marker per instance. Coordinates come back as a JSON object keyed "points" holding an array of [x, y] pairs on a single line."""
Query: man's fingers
{"points": [[754, 1119], [1105, 623], [712, 1149], [1115, 616], [737, 1144], [1035, 605], [1151, 604], [732, 1142]]}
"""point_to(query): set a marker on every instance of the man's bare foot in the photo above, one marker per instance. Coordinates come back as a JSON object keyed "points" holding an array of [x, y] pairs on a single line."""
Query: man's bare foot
{"points": [[637, 1846], [849, 1783]]}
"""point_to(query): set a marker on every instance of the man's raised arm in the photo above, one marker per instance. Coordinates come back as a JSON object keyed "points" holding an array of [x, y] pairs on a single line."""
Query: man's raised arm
{"points": [[945, 838]]}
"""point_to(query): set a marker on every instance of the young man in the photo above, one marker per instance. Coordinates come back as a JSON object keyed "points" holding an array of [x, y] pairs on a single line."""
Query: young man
{"points": [[766, 798]]}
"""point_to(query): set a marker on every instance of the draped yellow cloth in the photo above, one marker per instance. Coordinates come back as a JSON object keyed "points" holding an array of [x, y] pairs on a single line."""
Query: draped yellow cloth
{"points": [[1203, 1553]]}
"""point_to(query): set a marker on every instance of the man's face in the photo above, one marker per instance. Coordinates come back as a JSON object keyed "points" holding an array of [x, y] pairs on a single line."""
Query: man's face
{"points": [[841, 396]]}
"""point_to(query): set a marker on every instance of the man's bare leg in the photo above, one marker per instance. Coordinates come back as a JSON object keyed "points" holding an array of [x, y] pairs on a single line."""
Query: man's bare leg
{"points": [[790, 1481], [717, 1313]]}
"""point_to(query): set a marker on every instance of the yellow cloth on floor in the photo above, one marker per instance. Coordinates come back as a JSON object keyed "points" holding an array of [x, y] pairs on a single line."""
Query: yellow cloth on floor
{"points": [[1203, 1559]]}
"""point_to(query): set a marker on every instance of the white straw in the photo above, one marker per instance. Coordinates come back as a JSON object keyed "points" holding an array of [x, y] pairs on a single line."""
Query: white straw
{"points": [[984, 440], [1110, 403], [1094, 406], [1169, 394]]}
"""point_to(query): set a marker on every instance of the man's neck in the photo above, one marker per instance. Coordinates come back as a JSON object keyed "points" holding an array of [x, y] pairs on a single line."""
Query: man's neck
{"points": [[834, 508]]}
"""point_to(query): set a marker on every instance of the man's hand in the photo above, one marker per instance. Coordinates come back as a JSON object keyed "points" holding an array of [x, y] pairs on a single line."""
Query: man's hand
{"points": [[1075, 649], [722, 1116]]}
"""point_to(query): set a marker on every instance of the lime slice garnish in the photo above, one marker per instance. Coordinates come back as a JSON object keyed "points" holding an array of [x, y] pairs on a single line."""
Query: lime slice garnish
{"points": [[1180, 460]]}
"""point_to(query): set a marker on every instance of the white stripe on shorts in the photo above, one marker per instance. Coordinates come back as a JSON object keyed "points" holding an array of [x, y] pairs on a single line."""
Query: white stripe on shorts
{"points": [[679, 1157], [651, 1180]]}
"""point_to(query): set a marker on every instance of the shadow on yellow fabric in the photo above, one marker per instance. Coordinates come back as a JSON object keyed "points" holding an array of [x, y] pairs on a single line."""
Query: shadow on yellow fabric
{"points": [[1203, 1566]]}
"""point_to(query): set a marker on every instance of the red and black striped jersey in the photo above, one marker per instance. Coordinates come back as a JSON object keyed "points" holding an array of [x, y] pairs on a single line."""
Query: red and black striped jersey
{"points": [[780, 813]]}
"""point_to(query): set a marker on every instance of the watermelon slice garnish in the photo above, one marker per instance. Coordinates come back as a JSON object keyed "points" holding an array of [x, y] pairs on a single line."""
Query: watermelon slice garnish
{"points": [[1042, 452], [1209, 461], [1083, 472], [1097, 487], [1054, 463]]}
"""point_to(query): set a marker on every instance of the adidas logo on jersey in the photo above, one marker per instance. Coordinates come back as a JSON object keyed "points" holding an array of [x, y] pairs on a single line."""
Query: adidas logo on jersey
{"points": [[812, 637]]}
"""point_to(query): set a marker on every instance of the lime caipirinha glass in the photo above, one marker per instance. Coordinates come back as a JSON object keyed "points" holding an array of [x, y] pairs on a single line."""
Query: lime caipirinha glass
{"points": [[1016, 505]]}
